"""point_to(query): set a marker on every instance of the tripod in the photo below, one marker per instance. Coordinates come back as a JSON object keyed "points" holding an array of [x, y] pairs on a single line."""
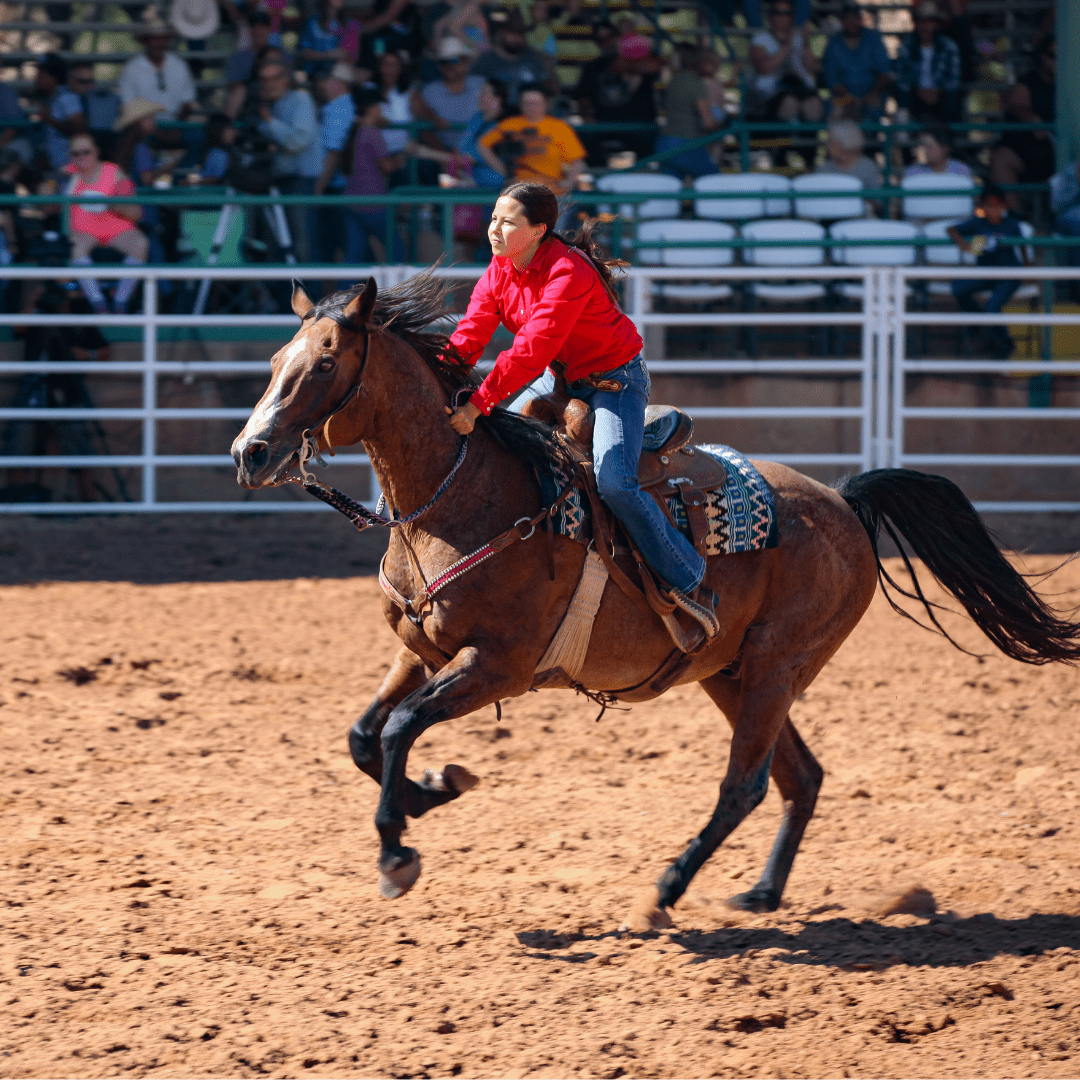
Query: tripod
{"points": [[279, 229]]}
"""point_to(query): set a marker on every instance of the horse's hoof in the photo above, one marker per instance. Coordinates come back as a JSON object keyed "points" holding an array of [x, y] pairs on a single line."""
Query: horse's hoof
{"points": [[397, 882], [454, 780], [756, 900], [647, 914]]}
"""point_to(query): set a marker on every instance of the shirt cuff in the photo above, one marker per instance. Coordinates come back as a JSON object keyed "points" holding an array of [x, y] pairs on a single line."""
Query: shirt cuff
{"points": [[483, 399]]}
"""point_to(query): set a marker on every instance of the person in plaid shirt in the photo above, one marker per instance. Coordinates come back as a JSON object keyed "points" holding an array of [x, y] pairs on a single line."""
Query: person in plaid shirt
{"points": [[928, 69]]}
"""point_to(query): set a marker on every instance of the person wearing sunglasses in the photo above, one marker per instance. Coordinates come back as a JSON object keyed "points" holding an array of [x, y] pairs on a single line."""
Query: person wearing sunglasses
{"points": [[98, 224]]}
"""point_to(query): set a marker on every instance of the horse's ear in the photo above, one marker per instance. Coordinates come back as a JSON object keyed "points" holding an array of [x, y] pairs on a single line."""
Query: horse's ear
{"points": [[359, 308], [301, 302]]}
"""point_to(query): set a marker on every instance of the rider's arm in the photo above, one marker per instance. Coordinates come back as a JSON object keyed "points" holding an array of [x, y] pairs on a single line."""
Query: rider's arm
{"points": [[542, 338], [479, 323]]}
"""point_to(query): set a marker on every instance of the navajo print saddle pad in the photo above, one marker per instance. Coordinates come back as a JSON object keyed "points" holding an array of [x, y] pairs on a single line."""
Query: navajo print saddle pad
{"points": [[741, 514]]}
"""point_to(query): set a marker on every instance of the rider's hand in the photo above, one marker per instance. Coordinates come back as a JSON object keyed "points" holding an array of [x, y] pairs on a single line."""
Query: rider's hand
{"points": [[463, 418]]}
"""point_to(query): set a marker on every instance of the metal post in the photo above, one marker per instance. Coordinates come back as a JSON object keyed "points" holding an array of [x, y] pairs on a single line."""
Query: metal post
{"points": [[868, 357], [149, 394], [883, 453], [1068, 81], [897, 284], [448, 228]]}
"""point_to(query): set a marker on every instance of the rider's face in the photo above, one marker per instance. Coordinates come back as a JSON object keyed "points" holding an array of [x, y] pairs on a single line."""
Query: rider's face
{"points": [[510, 232]]}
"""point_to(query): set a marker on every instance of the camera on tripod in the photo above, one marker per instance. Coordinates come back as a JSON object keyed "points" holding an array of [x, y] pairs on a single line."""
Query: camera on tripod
{"points": [[251, 160]]}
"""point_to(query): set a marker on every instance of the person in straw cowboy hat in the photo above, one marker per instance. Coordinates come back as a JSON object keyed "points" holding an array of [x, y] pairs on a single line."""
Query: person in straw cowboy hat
{"points": [[157, 74], [928, 69]]}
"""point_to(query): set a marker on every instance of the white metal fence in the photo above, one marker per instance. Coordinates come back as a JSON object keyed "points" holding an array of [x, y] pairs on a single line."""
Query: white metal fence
{"points": [[882, 371]]}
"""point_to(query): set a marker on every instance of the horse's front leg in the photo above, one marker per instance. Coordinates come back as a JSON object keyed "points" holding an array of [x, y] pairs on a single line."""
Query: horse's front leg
{"points": [[463, 686], [407, 673]]}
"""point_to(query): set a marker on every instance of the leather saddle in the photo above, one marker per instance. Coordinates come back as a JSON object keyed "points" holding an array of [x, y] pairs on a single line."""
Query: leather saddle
{"points": [[668, 464]]}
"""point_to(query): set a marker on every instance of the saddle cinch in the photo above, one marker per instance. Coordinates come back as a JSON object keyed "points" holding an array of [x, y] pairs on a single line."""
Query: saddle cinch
{"points": [[667, 466]]}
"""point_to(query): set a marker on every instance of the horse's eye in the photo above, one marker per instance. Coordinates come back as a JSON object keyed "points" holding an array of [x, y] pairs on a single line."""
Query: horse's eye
{"points": [[326, 364]]}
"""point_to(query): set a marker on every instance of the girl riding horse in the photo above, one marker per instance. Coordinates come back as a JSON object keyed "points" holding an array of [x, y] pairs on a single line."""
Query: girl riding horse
{"points": [[556, 295]]}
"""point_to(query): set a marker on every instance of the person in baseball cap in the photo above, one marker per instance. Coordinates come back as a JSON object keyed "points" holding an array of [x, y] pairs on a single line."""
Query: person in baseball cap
{"points": [[928, 68]]}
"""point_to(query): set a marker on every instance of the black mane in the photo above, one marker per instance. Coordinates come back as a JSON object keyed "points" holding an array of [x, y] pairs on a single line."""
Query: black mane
{"points": [[407, 311]]}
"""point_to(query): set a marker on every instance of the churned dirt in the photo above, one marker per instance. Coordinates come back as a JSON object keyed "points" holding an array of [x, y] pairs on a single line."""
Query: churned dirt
{"points": [[189, 883]]}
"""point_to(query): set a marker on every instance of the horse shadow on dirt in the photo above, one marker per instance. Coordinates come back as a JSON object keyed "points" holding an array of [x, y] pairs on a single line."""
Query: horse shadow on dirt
{"points": [[847, 943]]}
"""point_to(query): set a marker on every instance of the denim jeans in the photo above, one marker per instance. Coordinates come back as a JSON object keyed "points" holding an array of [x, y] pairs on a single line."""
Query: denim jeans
{"points": [[694, 162], [617, 438], [359, 225], [964, 291]]}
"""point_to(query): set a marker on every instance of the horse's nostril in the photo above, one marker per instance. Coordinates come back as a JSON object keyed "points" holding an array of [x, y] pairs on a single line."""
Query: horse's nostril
{"points": [[256, 454]]}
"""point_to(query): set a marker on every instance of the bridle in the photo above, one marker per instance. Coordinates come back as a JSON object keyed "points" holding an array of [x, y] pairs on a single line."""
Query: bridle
{"points": [[360, 516]]}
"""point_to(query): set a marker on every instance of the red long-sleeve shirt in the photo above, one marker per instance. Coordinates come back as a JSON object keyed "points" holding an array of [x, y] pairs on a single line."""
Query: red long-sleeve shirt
{"points": [[557, 308]]}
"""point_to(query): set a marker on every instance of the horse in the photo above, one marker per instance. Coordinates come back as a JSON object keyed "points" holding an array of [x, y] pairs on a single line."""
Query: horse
{"points": [[367, 367]]}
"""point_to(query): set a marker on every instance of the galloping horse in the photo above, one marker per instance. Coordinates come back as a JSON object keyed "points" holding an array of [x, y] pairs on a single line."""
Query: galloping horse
{"points": [[367, 368]]}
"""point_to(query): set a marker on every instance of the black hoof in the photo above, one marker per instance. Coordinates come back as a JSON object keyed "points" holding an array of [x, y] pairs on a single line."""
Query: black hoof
{"points": [[396, 880], [759, 900]]}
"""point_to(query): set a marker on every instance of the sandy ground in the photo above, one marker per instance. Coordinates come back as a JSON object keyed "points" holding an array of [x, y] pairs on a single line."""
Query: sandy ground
{"points": [[143, 725]]}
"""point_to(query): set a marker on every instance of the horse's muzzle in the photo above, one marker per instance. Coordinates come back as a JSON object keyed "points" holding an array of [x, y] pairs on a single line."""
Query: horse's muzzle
{"points": [[254, 464]]}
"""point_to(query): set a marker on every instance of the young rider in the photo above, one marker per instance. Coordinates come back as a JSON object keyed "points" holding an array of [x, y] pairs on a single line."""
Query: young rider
{"points": [[557, 297]]}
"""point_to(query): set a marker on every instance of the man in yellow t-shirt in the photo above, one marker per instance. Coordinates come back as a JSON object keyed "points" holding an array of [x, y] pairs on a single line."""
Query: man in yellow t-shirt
{"points": [[550, 150]]}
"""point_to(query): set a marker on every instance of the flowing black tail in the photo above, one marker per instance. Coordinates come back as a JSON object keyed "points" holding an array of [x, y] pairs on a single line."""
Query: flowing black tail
{"points": [[944, 530]]}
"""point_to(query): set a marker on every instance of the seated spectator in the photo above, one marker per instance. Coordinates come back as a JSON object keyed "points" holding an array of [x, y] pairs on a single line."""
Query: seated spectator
{"points": [[328, 38], [100, 106], [369, 166], [752, 12], [689, 116], [287, 117], [982, 237], [493, 108], [1028, 156], [1065, 204], [464, 21], [928, 69], [241, 65], [844, 155], [857, 67], [453, 98], [97, 224], [784, 82], [512, 61], [14, 136], [538, 146], [62, 111], [220, 138], [159, 75], [135, 153], [934, 146], [618, 89], [393, 29], [336, 117]]}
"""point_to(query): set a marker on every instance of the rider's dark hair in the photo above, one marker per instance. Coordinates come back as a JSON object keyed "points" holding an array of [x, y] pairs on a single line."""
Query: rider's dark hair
{"points": [[542, 208]]}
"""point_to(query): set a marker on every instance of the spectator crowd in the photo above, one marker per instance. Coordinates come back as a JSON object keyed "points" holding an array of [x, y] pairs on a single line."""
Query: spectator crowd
{"points": [[355, 98]]}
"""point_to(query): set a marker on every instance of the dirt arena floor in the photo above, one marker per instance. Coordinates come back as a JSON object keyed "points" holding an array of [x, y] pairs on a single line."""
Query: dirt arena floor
{"points": [[146, 721]]}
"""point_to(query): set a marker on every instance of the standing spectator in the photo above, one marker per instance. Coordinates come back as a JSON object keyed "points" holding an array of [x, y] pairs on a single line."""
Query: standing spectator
{"points": [[928, 69], [1028, 156], [935, 143], [328, 38], [857, 67], [844, 156], [512, 61], [287, 117], [393, 82], [493, 108], [220, 138], [689, 116], [618, 89], [139, 156], [453, 97], [784, 85], [99, 225], [464, 21], [100, 106], [370, 165], [336, 119], [550, 149], [981, 236], [241, 65], [159, 75], [62, 111], [394, 29]]}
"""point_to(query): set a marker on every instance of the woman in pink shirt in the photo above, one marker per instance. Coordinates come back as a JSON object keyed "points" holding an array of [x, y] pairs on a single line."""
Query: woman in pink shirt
{"points": [[557, 297], [97, 224]]}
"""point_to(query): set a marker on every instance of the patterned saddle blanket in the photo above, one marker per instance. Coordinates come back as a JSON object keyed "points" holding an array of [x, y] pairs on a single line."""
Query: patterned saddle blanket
{"points": [[741, 514]]}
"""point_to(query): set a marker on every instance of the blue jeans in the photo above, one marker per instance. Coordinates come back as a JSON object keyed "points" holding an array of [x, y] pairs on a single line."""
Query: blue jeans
{"points": [[1000, 291], [694, 162], [359, 225], [617, 437]]}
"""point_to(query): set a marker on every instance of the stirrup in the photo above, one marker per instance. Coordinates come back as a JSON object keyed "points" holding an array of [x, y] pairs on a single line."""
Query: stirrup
{"points": [[701, 606]]}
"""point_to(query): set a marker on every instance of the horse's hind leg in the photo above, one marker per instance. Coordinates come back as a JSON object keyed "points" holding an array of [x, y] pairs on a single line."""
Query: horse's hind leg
{"points": [[407, 673], [798, 776]]}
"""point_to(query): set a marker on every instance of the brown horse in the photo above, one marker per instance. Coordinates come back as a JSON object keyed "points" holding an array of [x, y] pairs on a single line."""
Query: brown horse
{"points": [[367, 370]]}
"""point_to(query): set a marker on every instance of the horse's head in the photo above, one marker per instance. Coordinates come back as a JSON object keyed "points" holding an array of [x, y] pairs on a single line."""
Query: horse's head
{"points": [[312, 378]]}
